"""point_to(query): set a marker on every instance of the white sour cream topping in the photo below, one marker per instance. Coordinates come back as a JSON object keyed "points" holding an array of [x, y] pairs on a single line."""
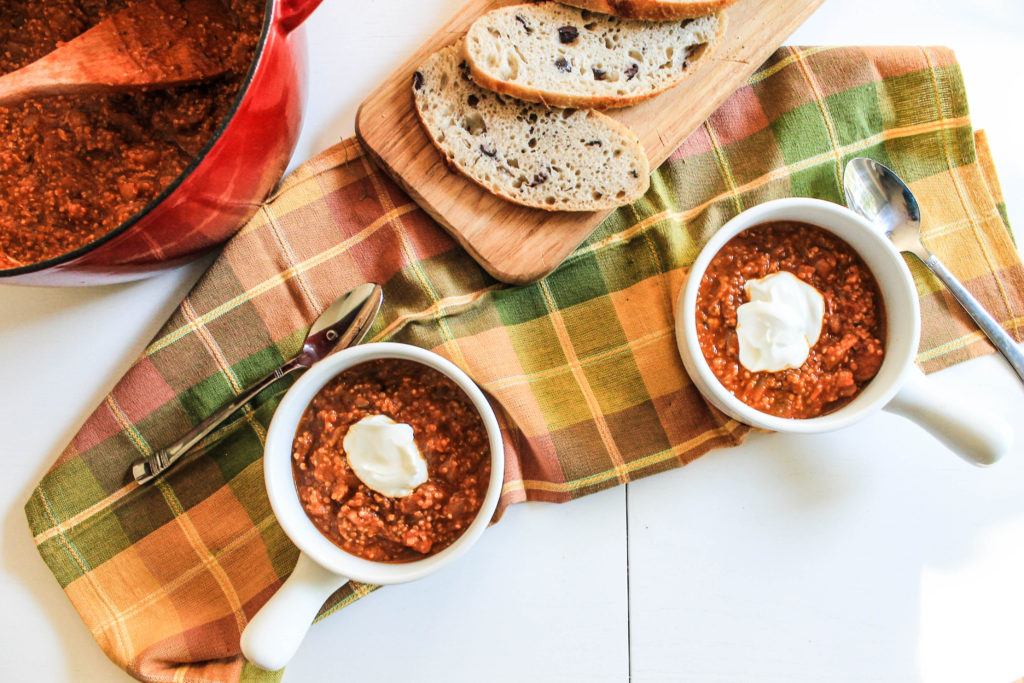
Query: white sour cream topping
{"points": [[780, 323], [384, 455]]}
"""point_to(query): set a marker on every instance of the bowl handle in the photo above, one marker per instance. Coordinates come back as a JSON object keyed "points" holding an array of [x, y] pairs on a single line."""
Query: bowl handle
{"points": [[979, 438], [294, 12], [273, 636]]}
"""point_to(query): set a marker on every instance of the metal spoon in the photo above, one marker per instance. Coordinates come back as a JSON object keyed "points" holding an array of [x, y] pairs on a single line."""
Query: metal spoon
{"points": [[342, 324], [878, 194]]}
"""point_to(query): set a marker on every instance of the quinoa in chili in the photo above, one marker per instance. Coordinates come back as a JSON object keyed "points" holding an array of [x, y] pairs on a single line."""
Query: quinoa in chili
{"points": [[851, 347], [73, 168], [449, 433]]}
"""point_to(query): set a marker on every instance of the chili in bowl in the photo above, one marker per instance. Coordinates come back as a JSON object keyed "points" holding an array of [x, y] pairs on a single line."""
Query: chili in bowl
{"points": [[790, 319], [391, 460], [830, 371], [383, 463]]}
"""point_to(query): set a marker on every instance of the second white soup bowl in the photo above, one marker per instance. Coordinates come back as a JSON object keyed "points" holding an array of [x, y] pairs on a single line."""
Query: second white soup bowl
{"points": [[899, 387], [272, 637]]}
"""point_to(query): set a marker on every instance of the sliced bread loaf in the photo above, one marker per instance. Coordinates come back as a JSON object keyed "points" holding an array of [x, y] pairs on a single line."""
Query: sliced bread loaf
{"points": [[567, 57], [653, 10], [552, 159]]}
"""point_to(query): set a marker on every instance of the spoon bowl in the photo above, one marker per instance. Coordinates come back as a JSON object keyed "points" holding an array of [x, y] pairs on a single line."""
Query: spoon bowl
{"points": [[878, 194]]}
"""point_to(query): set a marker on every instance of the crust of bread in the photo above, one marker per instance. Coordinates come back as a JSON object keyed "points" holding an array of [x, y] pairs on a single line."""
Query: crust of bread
{"points": [[601, 102], [652, 10]]}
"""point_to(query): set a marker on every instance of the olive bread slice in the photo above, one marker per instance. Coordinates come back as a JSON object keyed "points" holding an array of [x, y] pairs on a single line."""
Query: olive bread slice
{"points": [[653, 10], [564, 56], [551, 159]]}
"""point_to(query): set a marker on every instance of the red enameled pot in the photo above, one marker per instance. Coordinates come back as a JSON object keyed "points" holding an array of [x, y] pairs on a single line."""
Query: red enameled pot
{"points": [[222, 187]]}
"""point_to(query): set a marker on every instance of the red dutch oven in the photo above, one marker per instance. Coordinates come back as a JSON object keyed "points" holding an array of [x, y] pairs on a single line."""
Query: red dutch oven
{"points": [[222, 187]]}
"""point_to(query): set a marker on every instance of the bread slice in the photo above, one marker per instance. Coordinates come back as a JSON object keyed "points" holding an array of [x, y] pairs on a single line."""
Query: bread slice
{"points": [[563, 56], [551, 159], [653, 10]]}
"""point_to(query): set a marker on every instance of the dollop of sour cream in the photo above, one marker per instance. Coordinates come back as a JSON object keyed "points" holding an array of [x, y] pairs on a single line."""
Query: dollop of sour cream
{"points": [[384, 455], [780, 323]]}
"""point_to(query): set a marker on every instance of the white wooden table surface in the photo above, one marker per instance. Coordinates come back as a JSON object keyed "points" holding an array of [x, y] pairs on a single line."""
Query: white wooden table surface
{"points": [[871, 554]]}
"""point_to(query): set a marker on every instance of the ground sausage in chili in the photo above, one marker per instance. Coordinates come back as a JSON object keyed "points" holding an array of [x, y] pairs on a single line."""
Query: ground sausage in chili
{"points": [[851, 347], [449, 433]]}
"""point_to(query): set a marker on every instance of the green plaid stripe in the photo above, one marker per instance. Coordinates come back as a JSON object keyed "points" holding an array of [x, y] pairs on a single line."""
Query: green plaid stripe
{"points": [[581, 366]]}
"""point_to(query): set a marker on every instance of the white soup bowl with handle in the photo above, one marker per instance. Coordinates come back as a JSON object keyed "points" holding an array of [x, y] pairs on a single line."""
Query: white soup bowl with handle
{"points": [[899, 387], [274, 634]]}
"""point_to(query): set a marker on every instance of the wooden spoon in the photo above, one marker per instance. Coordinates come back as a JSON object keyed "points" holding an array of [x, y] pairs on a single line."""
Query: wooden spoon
{"points": [[152, 44]]}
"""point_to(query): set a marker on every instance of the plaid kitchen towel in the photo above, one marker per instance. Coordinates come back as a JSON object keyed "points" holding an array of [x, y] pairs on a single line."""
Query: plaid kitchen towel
{"points": [[581, 367]]}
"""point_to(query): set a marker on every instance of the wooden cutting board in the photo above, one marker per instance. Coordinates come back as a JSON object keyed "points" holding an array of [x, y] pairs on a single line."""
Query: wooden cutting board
{"points": [[520, 245]]}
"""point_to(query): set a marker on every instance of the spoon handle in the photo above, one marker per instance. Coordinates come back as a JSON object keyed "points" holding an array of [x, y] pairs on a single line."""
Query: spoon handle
{"points": [[144, 471], [1003, 342]]}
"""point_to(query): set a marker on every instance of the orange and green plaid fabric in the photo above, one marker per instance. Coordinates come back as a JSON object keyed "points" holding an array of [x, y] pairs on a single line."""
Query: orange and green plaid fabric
{"points": [[581, 367]]}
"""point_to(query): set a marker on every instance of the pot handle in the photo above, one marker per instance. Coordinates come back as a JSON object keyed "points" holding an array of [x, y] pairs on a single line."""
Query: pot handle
{"points": [[979, 438], [273, 636], [294, 12]]}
